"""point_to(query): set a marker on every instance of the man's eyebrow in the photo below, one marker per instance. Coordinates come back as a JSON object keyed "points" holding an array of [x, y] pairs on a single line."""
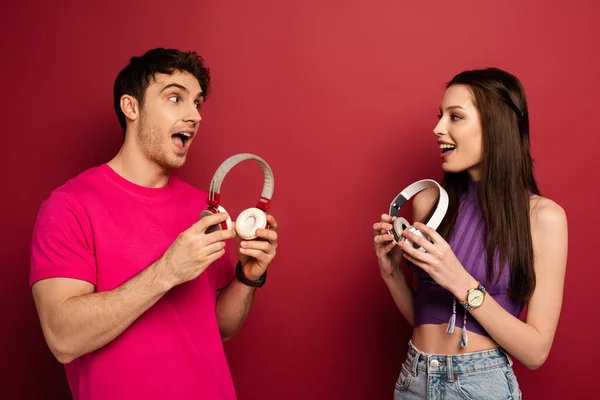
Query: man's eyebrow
{"points": [[177, 85], [181, 87]]}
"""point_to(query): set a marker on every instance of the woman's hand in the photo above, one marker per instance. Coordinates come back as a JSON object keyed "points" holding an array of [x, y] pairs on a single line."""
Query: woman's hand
{"points": [[439, 261], [388, 253]]}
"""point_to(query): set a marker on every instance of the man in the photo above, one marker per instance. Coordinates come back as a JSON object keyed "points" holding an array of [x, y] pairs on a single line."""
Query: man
{"points": [[133, 296]]}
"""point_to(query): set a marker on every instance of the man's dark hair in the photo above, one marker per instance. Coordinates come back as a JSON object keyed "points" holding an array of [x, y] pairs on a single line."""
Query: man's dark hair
{"points": [[137, 75]]}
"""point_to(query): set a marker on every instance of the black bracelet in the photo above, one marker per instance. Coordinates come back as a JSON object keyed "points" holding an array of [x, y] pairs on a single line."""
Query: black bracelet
{"points": [[242, 278]]}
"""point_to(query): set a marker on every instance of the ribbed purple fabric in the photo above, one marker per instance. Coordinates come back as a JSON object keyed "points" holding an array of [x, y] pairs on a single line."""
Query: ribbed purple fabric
{"points": [[433, 304]]}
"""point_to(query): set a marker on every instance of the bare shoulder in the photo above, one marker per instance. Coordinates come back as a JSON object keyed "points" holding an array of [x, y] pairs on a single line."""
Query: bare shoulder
{"points": [[423, 202], [550, 235], [546, 214]]}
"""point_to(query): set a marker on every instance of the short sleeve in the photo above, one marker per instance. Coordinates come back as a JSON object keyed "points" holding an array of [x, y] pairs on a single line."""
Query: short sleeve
{"points": [[62, 241]]}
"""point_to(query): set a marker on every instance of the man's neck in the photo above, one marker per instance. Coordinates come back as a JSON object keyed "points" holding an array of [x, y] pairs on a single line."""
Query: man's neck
{"points": [[134, 166]]}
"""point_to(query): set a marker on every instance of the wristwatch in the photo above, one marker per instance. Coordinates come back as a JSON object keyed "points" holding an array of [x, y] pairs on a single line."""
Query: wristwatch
{"points": [[239, 274], [475, 297]]}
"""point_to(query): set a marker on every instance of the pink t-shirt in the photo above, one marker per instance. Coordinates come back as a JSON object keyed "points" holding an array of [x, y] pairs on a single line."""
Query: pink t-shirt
{"points": [[101, 228]]}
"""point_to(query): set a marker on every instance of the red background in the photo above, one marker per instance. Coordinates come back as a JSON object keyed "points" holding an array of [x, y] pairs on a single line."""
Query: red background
{"points": [[340, 97]]}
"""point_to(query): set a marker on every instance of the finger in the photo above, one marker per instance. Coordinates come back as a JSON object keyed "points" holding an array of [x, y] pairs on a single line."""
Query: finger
{"points": [[272, 223], [256, 245], [421, 241], [205, 222], [414, 253], [267, 234], [217, 254], [388, 247], [382, 226], [387, 218], [212, 248], [258, 254], [384, 248], [418, 263], [436, 237], [218, 236], [214, 257], [379, 239]]}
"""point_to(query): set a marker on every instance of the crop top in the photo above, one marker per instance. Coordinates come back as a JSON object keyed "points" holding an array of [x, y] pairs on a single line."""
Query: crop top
{"points": [[434, 304]]}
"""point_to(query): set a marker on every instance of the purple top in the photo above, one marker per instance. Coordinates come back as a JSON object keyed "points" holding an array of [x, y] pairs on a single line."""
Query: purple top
{"points": [[433, 303]]}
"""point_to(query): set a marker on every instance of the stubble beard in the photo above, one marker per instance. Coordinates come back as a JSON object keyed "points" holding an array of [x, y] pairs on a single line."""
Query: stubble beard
{"points": [[154, 145]]}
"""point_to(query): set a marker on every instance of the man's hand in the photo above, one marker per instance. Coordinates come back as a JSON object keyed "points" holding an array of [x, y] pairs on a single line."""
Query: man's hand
{"points": [[256, 255], [194, 250]]}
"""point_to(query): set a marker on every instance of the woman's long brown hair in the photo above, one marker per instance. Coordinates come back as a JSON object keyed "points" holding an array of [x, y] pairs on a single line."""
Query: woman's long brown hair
{"points": [[506, 176]]}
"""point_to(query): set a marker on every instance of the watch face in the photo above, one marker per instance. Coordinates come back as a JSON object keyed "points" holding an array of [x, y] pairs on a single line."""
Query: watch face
{"points": [[475, 298]]}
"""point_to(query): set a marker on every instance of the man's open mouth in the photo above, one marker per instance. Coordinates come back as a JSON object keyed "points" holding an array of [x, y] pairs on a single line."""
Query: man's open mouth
{"points": [[180, 139]]}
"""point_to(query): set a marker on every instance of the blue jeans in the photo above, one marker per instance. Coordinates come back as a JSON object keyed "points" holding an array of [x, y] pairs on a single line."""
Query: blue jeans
{"points": [[482, 375]]}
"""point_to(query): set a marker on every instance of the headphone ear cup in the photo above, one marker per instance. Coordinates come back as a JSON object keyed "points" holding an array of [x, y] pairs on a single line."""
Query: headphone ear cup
{"points": [[420, 234], [400, 224], [213, 228], [249, 221]]}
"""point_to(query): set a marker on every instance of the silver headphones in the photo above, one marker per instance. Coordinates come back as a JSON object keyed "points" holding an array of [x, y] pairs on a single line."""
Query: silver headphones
{"points": [[250, 219], [401, 224]]}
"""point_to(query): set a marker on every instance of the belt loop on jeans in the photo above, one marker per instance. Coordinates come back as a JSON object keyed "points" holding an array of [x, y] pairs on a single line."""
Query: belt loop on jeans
{"points": [[449, 371], [415, 360], [415, 363], [510, 361]]}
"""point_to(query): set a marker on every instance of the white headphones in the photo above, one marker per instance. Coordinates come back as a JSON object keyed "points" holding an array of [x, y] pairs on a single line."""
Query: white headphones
{"points": [[250, 219], [400, 224]]}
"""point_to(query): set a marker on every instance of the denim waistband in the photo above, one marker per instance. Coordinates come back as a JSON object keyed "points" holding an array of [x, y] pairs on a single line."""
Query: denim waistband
{"points": [[455, 363]]}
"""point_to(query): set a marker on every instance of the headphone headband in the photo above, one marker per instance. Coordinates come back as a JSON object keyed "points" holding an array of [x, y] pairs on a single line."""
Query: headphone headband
{"points": [[413, 189], [264, 201]]}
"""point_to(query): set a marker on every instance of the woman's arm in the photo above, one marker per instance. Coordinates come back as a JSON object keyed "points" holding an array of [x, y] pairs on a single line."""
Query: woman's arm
{"points": [[390, 257], [528, 341]]}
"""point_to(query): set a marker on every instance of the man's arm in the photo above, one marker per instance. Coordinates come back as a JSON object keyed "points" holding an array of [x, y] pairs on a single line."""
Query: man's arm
{"points": [[234, 302], [76, 321]]}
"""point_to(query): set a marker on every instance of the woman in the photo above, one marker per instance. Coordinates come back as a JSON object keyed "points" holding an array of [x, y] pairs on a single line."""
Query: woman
{"points": [[500, 241]]}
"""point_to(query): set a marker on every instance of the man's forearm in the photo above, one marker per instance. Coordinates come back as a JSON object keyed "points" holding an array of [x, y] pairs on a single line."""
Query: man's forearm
{"points": [[233, 306], [84, 323]]}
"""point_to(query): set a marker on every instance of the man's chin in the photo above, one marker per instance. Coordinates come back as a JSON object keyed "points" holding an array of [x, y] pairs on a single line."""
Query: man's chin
{"points": [[174, 161], [177, 163]]}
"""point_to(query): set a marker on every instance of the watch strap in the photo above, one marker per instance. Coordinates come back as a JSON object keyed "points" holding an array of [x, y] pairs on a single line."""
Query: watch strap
{"points": [[239, 274]]}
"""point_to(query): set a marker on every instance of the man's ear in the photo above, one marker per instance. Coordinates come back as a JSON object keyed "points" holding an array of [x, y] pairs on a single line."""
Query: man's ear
{"points": [[130, 107]]}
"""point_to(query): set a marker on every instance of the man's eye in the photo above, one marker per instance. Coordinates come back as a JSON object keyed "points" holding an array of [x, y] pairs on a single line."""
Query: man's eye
{"points": [[174, 99]]}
